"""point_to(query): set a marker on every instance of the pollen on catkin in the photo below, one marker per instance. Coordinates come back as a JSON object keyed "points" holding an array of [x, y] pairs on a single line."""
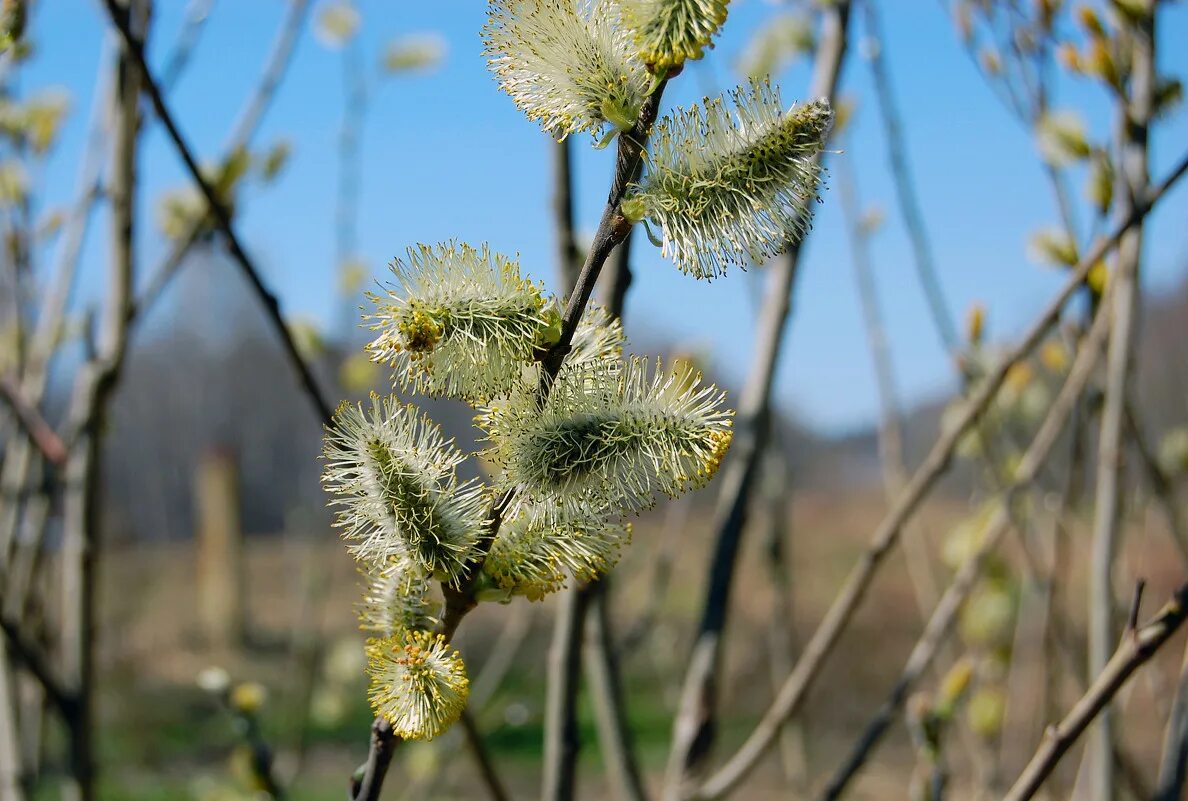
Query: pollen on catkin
{"points": [[397, 494], [418, 683], [459, 321], [731, 183], [567, 64], [610, 436], [669, 32], [536, 553]]}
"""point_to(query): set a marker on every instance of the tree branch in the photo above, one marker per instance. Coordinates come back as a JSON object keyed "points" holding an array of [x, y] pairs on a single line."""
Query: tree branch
{"points": [[950, 603], [905, 190], [478, 749], [30, 654], [39, 432], [562, 739], [221, 216], [1134, 116], [838, 617], [1136, 648], [695, 726]]}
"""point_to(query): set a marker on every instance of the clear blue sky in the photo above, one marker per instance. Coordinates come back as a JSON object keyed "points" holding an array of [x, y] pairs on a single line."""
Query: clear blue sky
{"points": [[448, 155]]}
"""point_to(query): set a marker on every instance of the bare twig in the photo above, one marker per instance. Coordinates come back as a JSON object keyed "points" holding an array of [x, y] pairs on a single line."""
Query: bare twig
{"points": [[694, 729], [29, 653], [1134, 117], [222, 218], [603, 676], [1138, 645], [39, 432], [1173, 764], [905, 190], [890, 424], [279, 59], [946, 610], [562, 740], [568, 257], [854, 589], [482, 758], [197, 13], [94, 386], [612, 229]]}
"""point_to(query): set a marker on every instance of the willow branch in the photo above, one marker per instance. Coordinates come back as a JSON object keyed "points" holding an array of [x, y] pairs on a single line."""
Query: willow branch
{"points": [[950, 603], [905, 189], [695, 727], [482, 758], [562, 739], [39, 432], [1134, 118], [612, 229], [890, 432], [854, 589], [222, 218], [606, 691], [1138, 645], [29, 653], [197, 14]]}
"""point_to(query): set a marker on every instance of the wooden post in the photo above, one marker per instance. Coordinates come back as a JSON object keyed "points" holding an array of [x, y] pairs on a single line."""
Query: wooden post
{"points": [[219, 543]]}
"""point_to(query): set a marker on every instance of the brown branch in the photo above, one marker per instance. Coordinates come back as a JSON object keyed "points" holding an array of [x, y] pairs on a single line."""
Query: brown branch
{"points": [[39, 432], [617, 746], [1136, 648], [222, 218], [695, 727], [482, 758], [29, 653], [946, 610], [562, 740], [279, 59], [1134, 116], [905, 190], [612, 229], [568, 257], [837, 618]]}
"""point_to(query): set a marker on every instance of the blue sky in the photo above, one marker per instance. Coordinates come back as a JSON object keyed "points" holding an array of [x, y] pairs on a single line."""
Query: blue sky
{"points": [[447, 155]]}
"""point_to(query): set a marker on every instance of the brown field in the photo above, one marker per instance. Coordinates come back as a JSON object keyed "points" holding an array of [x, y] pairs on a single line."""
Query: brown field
{"points": [[164, 736]]}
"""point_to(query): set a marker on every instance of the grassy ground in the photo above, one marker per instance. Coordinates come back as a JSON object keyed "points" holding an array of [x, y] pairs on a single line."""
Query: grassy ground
{"points": [[162, 737]]}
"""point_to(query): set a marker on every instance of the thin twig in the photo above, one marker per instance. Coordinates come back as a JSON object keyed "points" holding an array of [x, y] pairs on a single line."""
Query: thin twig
{"points": [[482, 758], [1134, 116], [946, 610], [30, 654], [905, 190], [568, 257], [1173, 763], [197, 14], [854, 589], [279, 59], [94, 387], [562, 739], [606, 692], [695, 727], [1136, 648], [890, 433], [222, 218], [39, 432]]}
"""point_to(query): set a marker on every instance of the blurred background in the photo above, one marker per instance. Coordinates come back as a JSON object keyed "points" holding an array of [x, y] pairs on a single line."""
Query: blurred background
{"points": [[339, 133]]}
